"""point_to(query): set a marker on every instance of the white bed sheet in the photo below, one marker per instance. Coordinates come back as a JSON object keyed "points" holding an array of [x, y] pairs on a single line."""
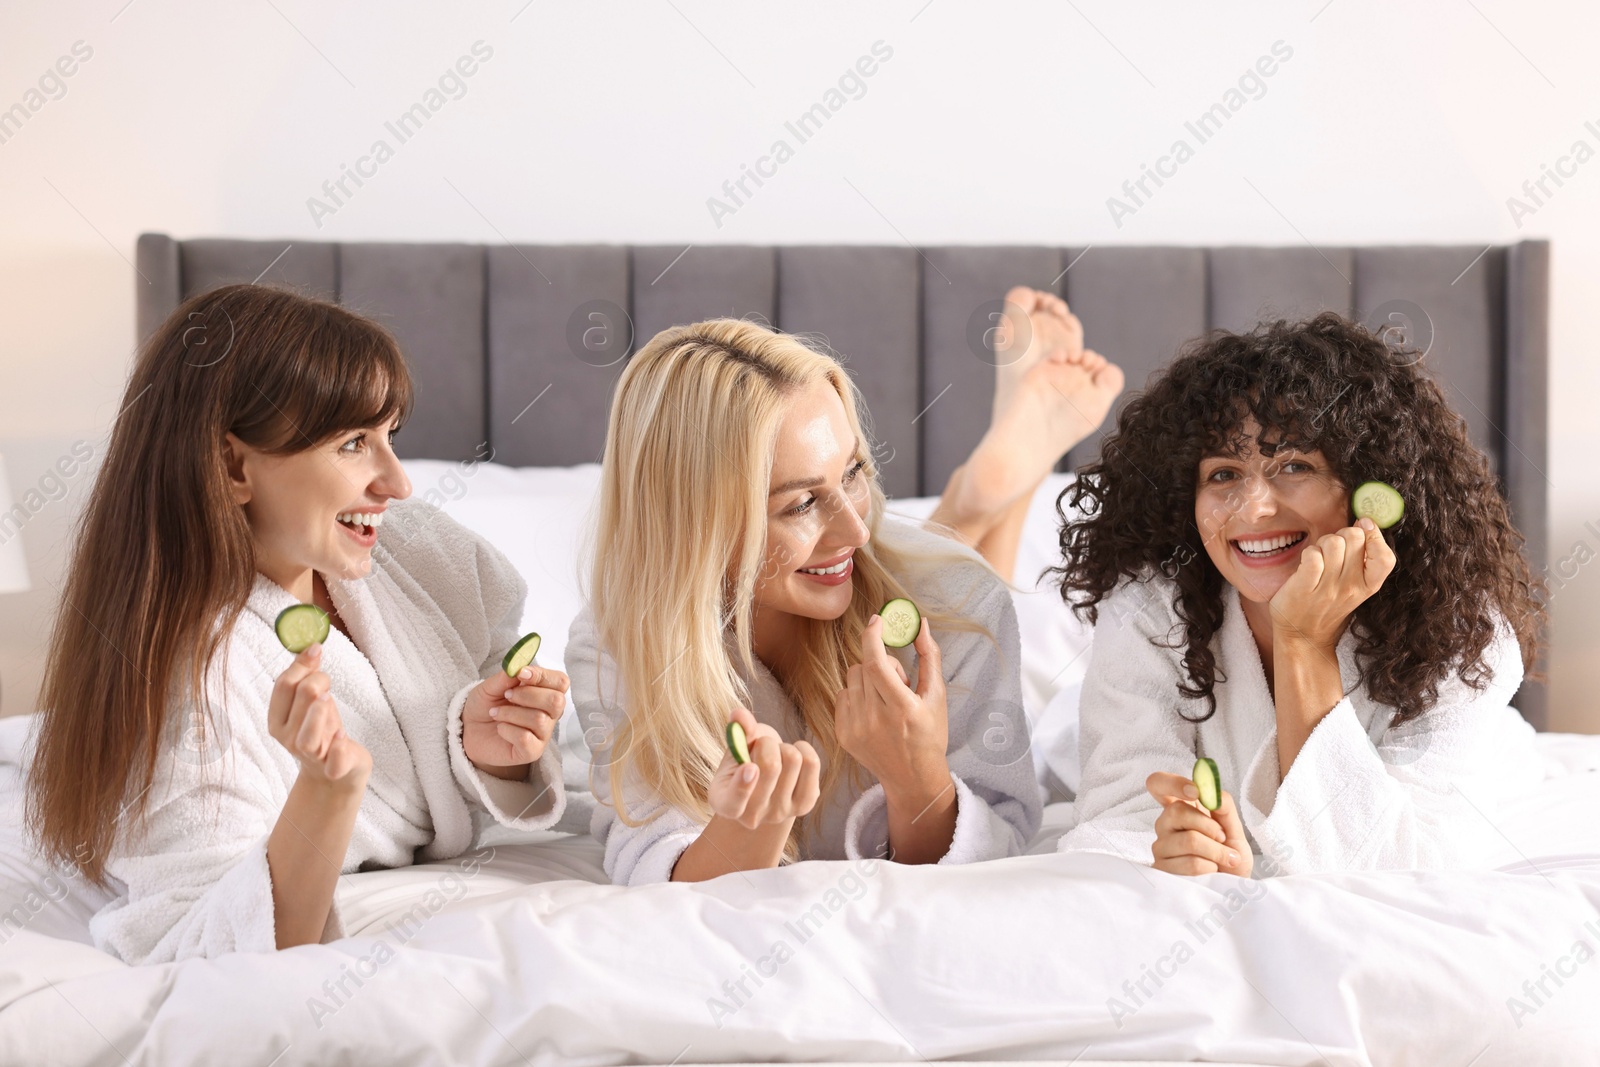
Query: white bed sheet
{"points": [[519, 953]]}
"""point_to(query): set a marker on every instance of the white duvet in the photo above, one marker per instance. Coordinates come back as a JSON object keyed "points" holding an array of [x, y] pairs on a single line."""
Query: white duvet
{"points": [[514, 953]]}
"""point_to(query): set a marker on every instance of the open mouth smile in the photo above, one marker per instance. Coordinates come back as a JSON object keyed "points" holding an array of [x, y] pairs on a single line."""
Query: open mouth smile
{"points": [[1268, 549], [361, 525], [834, 574]]}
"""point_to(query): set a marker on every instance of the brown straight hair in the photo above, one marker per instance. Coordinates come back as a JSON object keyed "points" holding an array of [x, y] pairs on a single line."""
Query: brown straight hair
{"points": [[164, 559]]}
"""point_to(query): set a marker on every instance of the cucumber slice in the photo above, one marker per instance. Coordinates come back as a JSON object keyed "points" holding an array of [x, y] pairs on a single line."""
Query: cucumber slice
{"points": [[901, 622], [1208, 782], [1378, 501], [737, 744], [300, 626], [520, 654]]}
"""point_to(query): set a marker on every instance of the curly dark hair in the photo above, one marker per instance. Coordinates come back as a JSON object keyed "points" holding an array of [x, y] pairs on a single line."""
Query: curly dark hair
{"points": [[1328, 385]]}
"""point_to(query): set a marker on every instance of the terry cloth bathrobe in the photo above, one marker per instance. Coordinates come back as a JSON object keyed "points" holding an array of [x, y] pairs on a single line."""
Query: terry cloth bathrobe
{"points": [[437, 612], [997, 798], [1361, 795]]}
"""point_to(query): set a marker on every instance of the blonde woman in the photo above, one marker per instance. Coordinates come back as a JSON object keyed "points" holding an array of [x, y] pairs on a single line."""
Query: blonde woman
{"points": [[741, 557]]}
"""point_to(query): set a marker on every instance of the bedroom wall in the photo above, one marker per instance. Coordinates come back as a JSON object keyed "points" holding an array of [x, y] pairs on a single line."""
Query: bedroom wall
{"points": [[991, 123]]}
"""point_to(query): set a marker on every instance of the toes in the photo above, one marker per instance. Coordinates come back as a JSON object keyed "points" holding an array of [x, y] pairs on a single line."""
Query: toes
{"points": [[1110, 378], [1023, 297]]}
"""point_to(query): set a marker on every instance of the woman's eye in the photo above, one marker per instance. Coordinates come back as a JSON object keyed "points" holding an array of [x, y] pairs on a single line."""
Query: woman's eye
{"points": [[354, 444], [1220, 476], [850, 475], [803, 507]]}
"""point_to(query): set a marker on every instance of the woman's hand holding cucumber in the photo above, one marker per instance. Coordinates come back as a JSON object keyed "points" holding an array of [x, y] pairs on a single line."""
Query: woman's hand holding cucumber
{"points": [[776, 783], [1309, 613], [319, 814], [1334, 577], [902, 736], [507, 720], [1191, 839], [761, 787], [898, 733], [303, 718]]}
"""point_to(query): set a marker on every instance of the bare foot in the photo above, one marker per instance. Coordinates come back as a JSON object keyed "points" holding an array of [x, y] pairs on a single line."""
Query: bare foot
{"points": [[1034, 323], [1048, 398]]}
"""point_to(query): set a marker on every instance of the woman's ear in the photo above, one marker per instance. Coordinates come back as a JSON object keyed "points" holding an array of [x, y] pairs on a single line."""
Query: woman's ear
{"points": [[234, 453]]}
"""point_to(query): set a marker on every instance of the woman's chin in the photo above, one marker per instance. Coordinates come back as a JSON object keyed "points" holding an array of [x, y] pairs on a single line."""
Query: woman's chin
{"points": [[1258, 588], [351, 568], [824, 603]]}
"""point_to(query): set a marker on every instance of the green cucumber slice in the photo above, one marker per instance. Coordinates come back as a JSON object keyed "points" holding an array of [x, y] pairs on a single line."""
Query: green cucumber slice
{"points": [[1208, 782], [901, 622], [737, 743], [520, 654], [1378, 501], [300, 626]]}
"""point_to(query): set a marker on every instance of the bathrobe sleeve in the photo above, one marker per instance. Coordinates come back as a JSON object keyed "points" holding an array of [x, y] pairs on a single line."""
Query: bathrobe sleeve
{"points": [[998, 805], [195, 881], [1425, 796], [642, 853], [1129, 725], [535, 801]]}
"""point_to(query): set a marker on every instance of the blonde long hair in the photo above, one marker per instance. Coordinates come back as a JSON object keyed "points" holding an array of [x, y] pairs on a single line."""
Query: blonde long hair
{"points": [[681, 537]]}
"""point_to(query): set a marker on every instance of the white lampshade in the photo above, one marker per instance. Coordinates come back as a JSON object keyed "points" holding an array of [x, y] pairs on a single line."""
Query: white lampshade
{"points": [[13, 563]]}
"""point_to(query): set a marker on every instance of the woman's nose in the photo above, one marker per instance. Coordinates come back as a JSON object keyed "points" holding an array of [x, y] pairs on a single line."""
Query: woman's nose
{"points": [[850, 527], [1259, 499], [392, 481]]}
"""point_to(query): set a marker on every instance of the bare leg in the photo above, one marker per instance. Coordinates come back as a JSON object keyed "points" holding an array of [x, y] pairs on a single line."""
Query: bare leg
{"points": [[1048, 396], [999, 545], [996, 534]]}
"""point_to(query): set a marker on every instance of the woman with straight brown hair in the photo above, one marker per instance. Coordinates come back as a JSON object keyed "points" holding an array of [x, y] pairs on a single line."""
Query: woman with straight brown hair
{"points": [[219, 784]]}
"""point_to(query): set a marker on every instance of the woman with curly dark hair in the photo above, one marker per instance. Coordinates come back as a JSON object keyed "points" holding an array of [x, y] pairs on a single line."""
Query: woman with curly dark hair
{"points": [[1352, 682]]}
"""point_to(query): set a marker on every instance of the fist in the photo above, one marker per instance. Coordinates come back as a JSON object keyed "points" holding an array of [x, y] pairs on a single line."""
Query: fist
{"points": [[303, 718], [1335, 576], [1192, 840], [506, 722], [779, 784]]}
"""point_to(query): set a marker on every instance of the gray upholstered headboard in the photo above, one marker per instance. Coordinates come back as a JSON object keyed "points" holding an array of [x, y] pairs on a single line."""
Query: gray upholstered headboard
{"points": [[520, 346]]}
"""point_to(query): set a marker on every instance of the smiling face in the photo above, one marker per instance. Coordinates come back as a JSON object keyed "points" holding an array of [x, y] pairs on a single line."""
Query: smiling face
{"points": [[317, 510], [1257, 513], [817, 509]]}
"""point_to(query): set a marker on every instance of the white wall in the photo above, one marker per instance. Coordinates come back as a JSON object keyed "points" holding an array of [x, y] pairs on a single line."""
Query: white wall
{"points": [[992, 122]]}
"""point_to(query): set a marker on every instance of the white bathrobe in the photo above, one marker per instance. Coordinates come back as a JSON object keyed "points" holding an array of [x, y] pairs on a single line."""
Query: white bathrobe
{"points": [[435, 615], [1361, 795], [997, 799]]}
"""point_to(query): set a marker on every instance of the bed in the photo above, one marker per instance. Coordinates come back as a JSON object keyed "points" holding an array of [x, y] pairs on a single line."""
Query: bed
{"points": [[520, 952]]}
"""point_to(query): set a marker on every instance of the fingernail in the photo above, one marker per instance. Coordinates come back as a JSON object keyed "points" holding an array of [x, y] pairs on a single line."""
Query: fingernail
{"points": [[525, 673], [1191, 792], [494, 713], [1233, 858], [314, 650], [748, 775]]}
